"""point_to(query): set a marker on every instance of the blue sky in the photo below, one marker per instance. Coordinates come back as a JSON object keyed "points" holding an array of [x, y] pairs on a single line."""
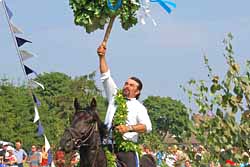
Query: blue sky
{"points": [[164, 56]]}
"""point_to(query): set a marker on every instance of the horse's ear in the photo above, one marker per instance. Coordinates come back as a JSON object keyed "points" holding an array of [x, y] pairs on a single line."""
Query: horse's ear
{"points": [[76, 104], [93, 103]]}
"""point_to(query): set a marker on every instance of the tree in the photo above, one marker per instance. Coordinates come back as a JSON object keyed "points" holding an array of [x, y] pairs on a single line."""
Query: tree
{"points": [[222, 99], [168, 116], [17, 106], [16, 114], [63, 90]]}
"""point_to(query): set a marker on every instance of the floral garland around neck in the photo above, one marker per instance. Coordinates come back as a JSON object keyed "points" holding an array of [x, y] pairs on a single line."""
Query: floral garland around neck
{"points": [[120, 118]]}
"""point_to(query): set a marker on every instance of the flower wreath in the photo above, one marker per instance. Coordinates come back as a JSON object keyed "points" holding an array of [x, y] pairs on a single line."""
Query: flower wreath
{"points": [[120, 118]]}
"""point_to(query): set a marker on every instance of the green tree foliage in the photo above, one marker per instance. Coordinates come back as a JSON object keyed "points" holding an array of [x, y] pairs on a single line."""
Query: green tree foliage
{"points": [[17, 107], [94, 15], [168, 116], [224, 98], [16, 113], [152, 141]]}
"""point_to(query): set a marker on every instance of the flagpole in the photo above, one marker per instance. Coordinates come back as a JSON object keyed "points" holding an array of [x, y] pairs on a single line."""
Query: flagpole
{"points": [[14, 40]]}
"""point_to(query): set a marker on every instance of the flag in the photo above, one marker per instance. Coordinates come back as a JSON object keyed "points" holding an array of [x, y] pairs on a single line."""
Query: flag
{"points": [[36, 117], [38, 103], [25, 55], [52, 164], [29, 70], [36, 83], [9, 12], [47, 145], [40, 129], [15, 29], [21, 41]]}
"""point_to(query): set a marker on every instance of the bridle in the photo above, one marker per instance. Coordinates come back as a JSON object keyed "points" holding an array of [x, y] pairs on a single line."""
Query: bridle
{"points": [[82, 140]]}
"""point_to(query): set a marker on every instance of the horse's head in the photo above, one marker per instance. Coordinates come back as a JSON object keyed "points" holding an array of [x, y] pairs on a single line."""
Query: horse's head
{"points": [[84, 124]]}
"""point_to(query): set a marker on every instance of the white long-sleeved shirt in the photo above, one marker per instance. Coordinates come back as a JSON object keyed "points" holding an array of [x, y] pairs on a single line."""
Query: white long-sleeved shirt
{"points": [[137, 113]]}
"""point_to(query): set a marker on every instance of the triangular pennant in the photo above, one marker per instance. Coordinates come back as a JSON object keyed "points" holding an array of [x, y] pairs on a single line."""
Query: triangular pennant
{"points": [[37, 83], [15, 29], [40, 131], [47, 145], [36, 117], [21, 41], [29, 70], [52, 164], [38, 103], [10, 14], [25, 55]]}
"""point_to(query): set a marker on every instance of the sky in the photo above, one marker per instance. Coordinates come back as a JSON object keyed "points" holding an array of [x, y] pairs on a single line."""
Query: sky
{"points": [[163, 56]]}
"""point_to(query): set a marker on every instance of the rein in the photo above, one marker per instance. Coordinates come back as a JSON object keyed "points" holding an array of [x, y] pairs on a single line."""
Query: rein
{"points": [[77, 137], [79, 141]]}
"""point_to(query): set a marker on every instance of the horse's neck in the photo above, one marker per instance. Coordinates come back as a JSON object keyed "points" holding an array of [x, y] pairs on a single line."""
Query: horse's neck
{"points": [[93, 155]]}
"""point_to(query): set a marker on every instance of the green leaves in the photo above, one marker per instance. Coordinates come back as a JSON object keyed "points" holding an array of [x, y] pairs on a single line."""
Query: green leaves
{"points": [[17, 108], [93, 15], [225, 98], [120, 118], [168, 116]]}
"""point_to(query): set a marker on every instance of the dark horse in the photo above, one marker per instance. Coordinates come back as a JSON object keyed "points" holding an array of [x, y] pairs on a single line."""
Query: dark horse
{"points": [[85, 135]]}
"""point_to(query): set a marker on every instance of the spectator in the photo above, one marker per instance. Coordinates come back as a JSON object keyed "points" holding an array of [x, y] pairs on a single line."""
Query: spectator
{"points": [[20, 154], [159, 158], [75, 158], [44, 154], [34, 157], [4, 153], [60, 158], [187, 163], [245, 160], [11, 158]]}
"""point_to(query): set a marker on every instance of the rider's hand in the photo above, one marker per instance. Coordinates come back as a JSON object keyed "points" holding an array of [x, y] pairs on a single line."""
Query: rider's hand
{"points": [[122, 128], [101, 51]]}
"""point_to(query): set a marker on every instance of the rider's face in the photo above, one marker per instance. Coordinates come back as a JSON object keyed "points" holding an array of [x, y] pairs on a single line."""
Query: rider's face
{"points": [[130, 88]]}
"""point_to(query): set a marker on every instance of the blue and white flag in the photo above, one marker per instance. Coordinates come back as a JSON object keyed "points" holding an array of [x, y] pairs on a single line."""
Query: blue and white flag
{"points": [[21, 41], [9, 12], [29, 70], [47, 145], [36, 117], [40, 131], [34, 84], [15, 29], [38, 103], [25, 55]]}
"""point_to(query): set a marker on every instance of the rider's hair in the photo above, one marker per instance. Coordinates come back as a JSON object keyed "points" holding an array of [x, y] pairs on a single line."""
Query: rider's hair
{"points": [[140, 85]]}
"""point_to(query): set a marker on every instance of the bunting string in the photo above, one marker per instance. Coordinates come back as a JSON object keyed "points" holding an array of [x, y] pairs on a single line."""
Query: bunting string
{"points": [[24, 55], [9, 15]]}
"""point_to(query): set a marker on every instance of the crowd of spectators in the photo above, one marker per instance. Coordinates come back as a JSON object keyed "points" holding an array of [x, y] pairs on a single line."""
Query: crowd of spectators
{"points": [[183, 156], [36, 157], [172, 156]]}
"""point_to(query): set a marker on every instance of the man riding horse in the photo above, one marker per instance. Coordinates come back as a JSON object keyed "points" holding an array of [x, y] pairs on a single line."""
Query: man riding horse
{"points": [[137, 119]]}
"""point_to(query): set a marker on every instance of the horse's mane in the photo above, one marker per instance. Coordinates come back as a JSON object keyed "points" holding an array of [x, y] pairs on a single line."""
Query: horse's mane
{"points": [[101, 126]]}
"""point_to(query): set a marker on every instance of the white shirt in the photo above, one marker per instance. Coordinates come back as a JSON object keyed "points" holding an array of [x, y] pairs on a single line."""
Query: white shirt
{"points": [[137, 113]]}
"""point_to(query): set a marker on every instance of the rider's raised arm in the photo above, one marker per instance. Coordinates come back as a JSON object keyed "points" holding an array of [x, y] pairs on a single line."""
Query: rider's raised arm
{"points": [[108, 83]]}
